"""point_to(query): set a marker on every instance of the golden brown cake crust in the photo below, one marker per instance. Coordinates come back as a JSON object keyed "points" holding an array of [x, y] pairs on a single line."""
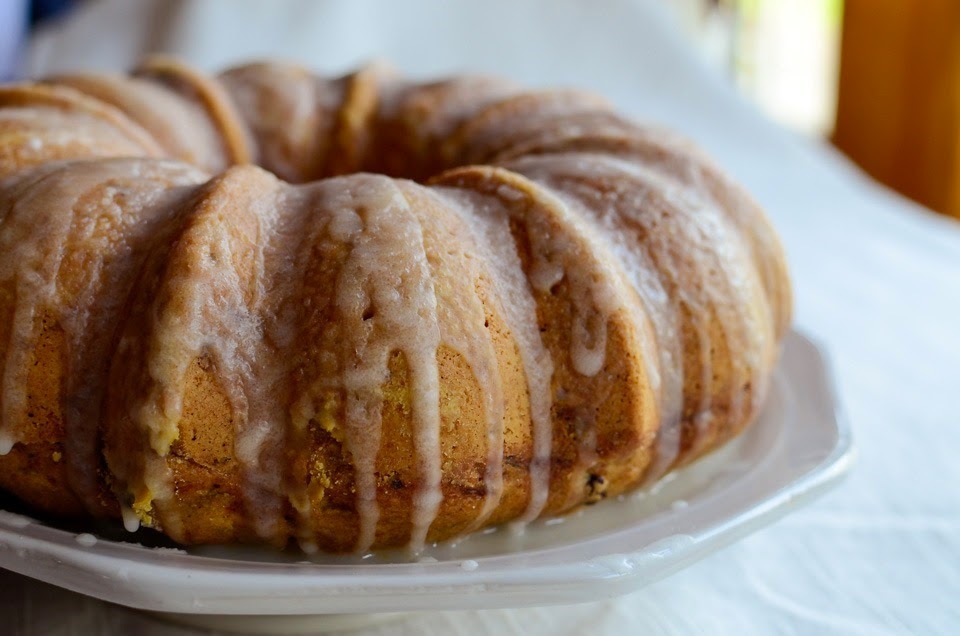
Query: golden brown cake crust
{"points": [[543, 304]]}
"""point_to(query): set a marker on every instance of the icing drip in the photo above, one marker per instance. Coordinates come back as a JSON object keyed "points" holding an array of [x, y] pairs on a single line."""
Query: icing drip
{"points": [[562, 248], [558, 256], [77, 238], [763, 309], [729, 283], [682, 162], [213, 305], [521, 315], [574, 253], [131, 523], [93, 322], [386, 302], [644, 214], [649, 271], [490, 224], [264, 364], [29, 267], [462, 321]]}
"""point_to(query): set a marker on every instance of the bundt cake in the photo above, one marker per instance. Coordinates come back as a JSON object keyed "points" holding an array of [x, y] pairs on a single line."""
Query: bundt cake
{"points": [[362, 313]]}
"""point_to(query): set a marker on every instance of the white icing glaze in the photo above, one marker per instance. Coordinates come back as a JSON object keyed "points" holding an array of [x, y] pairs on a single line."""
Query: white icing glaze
{"points": [[490, 226], [463, 325], [86, 540], [562, 248], [648, 280], [181, 127], [744, 246], [7, 442], [213, 305], [131, 522], [32, 256], [108, 210], [385, 302], [715, 279], [656, 247], [729, 283]]}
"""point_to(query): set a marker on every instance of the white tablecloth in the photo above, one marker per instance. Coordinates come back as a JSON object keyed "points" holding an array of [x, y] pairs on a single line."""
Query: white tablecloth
{"points": [[877, 279]]}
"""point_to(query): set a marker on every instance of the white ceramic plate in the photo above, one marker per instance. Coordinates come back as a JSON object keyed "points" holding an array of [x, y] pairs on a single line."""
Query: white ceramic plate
{"points": [[798, 448]]}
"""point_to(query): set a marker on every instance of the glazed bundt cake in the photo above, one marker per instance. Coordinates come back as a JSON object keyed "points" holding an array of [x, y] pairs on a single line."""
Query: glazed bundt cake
{"points": [[362, 313]]}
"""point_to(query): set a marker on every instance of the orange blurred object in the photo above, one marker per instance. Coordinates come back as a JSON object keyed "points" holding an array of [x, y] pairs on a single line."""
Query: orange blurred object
{"points": [[898, 112]]}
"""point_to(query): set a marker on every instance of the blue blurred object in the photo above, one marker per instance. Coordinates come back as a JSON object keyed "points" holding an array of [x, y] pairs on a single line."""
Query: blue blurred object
{"points": [[13, 24], [15, 18], [41, 10]]}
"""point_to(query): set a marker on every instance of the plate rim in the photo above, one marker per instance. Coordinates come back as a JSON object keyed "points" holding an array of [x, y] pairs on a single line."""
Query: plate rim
{"points": [[288, 588]]}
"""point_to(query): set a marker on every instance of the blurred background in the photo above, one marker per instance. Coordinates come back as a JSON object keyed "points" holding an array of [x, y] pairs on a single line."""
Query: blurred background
{"points": [[879, 79], [875, 277]]}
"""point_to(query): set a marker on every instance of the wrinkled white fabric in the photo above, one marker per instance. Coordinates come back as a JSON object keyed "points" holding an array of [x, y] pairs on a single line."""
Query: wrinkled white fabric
{"points": [[877, 279]]}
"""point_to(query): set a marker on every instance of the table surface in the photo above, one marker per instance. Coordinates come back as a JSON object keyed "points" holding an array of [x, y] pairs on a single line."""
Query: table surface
{"points": [[877, 279]]}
